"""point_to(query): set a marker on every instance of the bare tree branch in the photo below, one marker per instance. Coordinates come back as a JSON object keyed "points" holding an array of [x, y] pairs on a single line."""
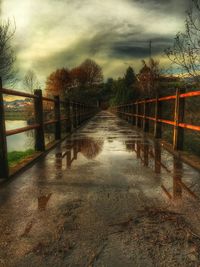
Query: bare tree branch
{"points": [[185, 52], [7, 55], [30, 81]]}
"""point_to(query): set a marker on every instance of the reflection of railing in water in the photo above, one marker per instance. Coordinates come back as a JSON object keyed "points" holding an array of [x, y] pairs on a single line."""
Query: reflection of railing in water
{"points": [[74, 115], [89, 147], [145, 151], [42, 201]]}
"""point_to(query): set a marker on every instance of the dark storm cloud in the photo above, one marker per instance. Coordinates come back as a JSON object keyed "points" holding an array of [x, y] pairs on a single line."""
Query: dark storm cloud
{"points": [[102, 43], [132, 43], [140, 48], [166, 4], [176, 8], [109, 44]]}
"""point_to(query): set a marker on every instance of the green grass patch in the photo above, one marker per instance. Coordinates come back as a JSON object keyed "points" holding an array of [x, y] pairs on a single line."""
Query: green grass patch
{"points": [[15, 157]]}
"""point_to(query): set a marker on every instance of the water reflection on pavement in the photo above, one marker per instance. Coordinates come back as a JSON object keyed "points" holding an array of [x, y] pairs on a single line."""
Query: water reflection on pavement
{"points": [[107, 196]]}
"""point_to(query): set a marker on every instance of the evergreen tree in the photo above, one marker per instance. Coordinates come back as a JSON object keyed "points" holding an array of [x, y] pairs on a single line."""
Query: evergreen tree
{"points": [[120, 92], [129, 77]]}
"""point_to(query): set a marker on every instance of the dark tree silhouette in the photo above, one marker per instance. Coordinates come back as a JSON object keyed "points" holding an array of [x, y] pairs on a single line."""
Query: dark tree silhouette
{"points": [[7, 55], [185, 51], [148, 78], [129, 77]]}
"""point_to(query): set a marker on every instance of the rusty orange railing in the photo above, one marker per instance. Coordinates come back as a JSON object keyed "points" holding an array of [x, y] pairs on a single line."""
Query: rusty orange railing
{"points": [[131, 113]]}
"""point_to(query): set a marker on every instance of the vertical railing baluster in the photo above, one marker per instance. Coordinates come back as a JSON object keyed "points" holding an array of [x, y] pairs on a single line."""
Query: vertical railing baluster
{"points": [[146, 114], [76, 108], [57, 117], [130, 116], [39, 132], [158, 114], [4, 169], [132, 112], [68, 116], [73, 116], [178, 134], [79, 114], [137, 113]]}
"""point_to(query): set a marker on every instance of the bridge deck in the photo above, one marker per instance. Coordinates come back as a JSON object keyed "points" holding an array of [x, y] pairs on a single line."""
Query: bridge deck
{"points": [[106, 196]]}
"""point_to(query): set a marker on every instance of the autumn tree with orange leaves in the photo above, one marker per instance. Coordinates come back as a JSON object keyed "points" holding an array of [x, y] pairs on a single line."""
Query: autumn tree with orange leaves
{"points": [[148, 78], [58, 82], [77, 82], [88, 74]]}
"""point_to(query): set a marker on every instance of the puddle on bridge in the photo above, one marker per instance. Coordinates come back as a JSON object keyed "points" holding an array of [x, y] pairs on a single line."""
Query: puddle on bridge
{"points": [[106, 196]]}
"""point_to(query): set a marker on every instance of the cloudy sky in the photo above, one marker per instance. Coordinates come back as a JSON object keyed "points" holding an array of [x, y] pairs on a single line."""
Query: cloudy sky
{"points": [[62, 33]]}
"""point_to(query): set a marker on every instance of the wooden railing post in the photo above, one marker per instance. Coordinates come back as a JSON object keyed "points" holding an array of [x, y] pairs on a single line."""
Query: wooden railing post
{"points": [[178, 135], [130, 113], [57, 117], [76, 112], [39, 132], [83, 113], [4, 169], [133, 113], [68, 116], [127, 111], [79, 114], [74, 115], [145, 120], [137, 113], [158, 114]]}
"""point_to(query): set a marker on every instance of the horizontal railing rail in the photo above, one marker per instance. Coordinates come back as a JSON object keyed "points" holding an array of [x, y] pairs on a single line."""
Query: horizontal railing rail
{"points": [[165, 98], [138, 113], [73, 115]]}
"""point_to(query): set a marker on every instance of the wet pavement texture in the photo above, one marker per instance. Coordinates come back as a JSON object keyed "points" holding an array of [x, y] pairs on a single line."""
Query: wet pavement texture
{"points": [[106, 196]]}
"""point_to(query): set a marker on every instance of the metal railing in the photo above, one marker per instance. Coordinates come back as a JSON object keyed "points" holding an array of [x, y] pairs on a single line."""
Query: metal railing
{"points": [[74, 115], [138, 113]]}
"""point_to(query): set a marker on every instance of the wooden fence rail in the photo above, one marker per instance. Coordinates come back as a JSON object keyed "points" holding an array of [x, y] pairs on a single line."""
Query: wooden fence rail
{"points": [[138, 114], [74, 115]]}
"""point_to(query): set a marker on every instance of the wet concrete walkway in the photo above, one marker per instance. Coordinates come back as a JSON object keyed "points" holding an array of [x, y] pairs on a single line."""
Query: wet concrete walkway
{"points": [[107, 196]]}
